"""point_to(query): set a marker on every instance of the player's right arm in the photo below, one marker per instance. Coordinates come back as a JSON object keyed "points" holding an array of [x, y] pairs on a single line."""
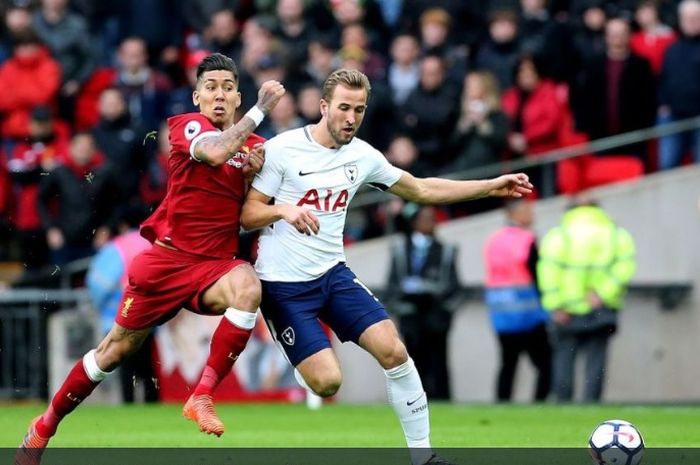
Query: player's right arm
{"points": [[258, 212], [218, 149]]}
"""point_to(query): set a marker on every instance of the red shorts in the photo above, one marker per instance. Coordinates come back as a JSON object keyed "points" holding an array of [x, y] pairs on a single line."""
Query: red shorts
{"points": [[162, 281]]}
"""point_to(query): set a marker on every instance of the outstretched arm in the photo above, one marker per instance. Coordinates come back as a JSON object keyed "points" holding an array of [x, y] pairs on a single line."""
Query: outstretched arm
{"points": [[258, 212], [443, 191], [216, 150]]}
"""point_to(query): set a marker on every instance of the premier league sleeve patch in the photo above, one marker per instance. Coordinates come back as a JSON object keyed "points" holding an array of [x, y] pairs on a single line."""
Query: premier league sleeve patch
{"points": [[192, 129]]}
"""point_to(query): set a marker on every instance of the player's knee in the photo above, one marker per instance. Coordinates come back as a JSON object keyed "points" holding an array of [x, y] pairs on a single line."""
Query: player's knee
{"points": [[325, 384], [392, 354], [246, 289]]}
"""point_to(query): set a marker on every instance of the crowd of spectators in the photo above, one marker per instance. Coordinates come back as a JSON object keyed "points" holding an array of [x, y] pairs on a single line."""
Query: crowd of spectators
{"points": [[456, 85]]}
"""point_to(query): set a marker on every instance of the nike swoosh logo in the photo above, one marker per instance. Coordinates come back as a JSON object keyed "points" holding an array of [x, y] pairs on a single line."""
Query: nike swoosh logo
{"points": [[409, 403], [301, 173]]}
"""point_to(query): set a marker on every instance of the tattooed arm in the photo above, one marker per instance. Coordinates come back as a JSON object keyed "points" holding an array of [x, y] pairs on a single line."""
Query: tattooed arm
{"points": [[216, 150]]}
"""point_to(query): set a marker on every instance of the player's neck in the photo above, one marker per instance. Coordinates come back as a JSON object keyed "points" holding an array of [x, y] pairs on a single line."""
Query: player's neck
{"points": [[220, 126], [322, 137]]}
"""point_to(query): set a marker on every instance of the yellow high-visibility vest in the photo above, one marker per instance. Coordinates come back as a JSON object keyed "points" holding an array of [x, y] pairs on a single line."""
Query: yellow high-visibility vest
{"points": [[586, 252]]}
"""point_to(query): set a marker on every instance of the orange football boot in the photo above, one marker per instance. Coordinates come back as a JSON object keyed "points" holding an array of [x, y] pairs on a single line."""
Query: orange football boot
{"points": [[32, 447], [201, 409]]}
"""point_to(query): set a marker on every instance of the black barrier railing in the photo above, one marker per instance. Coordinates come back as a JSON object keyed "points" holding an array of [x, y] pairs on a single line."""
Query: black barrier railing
{"points": [[23, 338], [669, 295]]}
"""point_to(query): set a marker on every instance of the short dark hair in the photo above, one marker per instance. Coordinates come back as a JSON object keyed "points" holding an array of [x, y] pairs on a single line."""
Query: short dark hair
{"points": [[215, 62], [28, 37], [538, 63]]}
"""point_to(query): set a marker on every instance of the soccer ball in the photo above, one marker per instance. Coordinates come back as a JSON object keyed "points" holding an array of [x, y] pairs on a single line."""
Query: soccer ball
{"points": [[616, 442]]}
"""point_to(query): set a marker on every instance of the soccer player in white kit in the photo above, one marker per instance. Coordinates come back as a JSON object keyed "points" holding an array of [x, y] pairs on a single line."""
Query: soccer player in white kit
{"points": [[312, 173]]}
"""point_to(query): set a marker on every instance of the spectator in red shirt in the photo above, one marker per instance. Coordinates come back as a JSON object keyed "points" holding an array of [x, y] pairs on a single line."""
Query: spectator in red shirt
{"points": [[653, 38], [536, 112], [534, 109], [192, 263], [34, 79]]}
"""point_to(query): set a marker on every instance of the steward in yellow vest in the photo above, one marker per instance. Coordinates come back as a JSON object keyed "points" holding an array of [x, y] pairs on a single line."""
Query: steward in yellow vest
{"points": [[587, 253], [584, 268]]}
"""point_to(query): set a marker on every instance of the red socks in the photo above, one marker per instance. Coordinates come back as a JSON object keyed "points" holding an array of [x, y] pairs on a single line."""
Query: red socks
{"points": [[227, 343], [74, 390]]}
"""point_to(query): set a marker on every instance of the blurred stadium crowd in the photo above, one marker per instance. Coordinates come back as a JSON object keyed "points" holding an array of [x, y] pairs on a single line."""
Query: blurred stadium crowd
{"points": [[456, 85]]}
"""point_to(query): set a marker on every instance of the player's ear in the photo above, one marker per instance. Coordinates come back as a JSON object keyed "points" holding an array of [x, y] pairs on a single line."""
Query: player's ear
{"points": [[324, 107], [195, 98]]}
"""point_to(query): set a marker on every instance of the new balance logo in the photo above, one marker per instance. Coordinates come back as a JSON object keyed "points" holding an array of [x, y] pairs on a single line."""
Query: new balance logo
{"points": [[232, 357], [74, 398]]}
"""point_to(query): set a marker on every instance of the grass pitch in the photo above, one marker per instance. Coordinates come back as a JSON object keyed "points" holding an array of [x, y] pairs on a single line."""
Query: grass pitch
{"points": [[276, 425]]}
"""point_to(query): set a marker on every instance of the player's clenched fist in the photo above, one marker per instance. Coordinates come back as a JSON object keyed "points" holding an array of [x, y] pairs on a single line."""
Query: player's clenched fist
{"points": [[269, 94], [301, 218]]}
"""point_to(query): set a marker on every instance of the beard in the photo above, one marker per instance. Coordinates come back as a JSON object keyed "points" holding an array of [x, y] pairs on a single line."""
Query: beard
{"points": [[338, 136]]}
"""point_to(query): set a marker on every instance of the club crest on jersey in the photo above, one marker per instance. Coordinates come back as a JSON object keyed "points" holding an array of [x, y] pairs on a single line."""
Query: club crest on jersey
{"points": [[192, 129], [350, 171], [288, 336], [238, 160]]}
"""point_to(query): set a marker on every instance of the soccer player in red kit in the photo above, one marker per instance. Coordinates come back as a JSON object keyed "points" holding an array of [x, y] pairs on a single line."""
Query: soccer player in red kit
{"points": [[192, 263]]}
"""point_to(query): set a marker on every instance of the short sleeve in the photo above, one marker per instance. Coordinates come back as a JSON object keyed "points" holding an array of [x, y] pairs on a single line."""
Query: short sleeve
{"points": [[383, 174], [269, 179], [187, 130]]}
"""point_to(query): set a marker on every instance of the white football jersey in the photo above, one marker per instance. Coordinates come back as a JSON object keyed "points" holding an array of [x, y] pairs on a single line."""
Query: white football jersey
{"points": [[300, 171]]}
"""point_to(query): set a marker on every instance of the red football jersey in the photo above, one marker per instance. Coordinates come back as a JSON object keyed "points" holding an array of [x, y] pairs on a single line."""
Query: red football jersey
{"points": [[201, 210]]}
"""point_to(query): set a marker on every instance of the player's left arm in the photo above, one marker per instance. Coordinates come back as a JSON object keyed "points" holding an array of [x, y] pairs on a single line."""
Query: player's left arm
{"points": [[444, 191], [258, 212]]}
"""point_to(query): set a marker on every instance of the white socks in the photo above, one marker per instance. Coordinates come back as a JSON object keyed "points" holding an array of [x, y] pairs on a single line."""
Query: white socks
{"points": [[91, 369], [406, 395], [244, 320]]}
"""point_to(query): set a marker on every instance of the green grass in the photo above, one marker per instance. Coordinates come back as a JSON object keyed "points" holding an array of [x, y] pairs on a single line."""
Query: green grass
{"points": [[273, 425]]}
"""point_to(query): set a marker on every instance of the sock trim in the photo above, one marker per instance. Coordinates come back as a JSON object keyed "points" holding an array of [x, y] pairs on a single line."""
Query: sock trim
{"points": [[92, 370], [244, 320], [401, 370]]}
